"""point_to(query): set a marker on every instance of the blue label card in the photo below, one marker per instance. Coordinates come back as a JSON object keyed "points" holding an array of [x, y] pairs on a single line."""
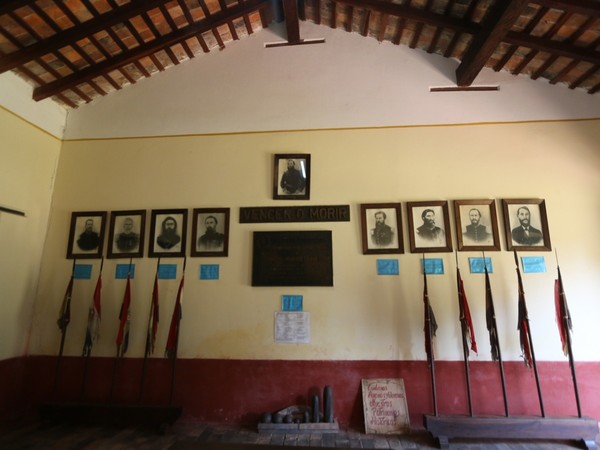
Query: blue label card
{"points": [[533, 264], [433, 266], [291, 303], [387, 267], [209, 271], [476, 265], [82, 272], [122, 270], [167, 271]]}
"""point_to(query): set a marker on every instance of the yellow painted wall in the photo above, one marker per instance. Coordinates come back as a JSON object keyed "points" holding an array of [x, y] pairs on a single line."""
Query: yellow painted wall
{"points": [[364, 316], [29, 157]]}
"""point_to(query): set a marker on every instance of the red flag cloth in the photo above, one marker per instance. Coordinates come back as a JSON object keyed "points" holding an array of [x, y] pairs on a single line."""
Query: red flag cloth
{"points": [[94, 315], [65, 310], [465, 314], [523, 325], [154, 314], [172, 339], [430, 323], [124, 317], [490, 319], [563, 317]]}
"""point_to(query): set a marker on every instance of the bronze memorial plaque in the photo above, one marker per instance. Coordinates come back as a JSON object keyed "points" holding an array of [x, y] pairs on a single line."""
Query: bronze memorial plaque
{"points": [[292, 258]]}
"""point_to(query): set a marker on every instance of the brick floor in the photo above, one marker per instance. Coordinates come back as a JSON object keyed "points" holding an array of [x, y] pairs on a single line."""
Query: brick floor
{"points": [[188, 434]]}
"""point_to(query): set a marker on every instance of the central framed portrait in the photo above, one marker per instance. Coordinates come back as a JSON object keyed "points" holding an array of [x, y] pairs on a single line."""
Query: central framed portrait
{"points": [[210, 232], [291, 176], [127, 231], [381, 228], [168, 230], [476, 225], [429, 227]]}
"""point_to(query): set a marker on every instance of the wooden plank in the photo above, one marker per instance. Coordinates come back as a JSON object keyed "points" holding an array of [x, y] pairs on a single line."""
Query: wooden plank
{"points": [[292, 24], [497, 24]]}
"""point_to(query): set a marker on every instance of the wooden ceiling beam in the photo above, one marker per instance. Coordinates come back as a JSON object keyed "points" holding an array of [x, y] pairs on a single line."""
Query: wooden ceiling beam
{"points": [[88, 73], [59, 40], [292, 22], [419, 15], [555, 48], [583, 7], [496, 25]]}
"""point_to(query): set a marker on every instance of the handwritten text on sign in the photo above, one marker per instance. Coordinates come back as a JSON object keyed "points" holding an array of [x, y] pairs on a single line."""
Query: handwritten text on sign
{"points": [[384, 403]]}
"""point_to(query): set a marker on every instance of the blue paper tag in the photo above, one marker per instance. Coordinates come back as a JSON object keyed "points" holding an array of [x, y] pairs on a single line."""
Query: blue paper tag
{"points": [[291, 303], [82, 272], [209, 271], [433, 266], [533, 264], [122, 270], [167, 271], [476, 265], [387, 267]]}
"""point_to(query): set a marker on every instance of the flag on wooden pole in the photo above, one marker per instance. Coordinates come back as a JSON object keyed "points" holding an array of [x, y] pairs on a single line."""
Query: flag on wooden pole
{"points": [[154, 317], [430, 327], [523, 321], [94, 316], [465, 314], [173, 337], [563, 316], [64, 317], [490, 318], [124, 318]]}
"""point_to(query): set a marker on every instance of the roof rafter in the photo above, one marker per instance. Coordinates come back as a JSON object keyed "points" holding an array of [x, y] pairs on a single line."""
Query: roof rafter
{"points": [[59, 40], [496, 25], [88, 73]]}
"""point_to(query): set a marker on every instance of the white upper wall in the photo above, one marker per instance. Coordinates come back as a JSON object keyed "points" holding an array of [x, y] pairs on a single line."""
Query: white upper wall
{"points": [[350, 81], [15, 95]]}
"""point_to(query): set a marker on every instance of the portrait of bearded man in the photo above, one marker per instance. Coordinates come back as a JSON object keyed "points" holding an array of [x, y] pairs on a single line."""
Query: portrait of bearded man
{"points": [[168, 237]]}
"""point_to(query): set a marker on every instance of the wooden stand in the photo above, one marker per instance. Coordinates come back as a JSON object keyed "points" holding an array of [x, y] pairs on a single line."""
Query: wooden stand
{"points": [[448, 427], [111, 414]]}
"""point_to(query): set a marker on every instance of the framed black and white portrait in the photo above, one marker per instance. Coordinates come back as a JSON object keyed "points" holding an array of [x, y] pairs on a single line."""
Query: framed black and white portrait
{"points": [[429, 227], [291, 177], [86, 235], [126, 234], [526, 224], [476, 225], [210, 232], [168, 230], [381, 228]]}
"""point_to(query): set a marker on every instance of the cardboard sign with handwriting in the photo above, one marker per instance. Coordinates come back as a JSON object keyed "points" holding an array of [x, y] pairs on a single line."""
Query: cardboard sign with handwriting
{"points": [[384, 404]]}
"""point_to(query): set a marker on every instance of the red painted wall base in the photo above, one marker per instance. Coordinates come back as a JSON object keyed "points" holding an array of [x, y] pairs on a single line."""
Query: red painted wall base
{"points": [[238, 391]]}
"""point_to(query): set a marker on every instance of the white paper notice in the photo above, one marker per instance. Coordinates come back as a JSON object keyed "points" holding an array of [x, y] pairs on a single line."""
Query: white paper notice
{"points": [[292, 327]]}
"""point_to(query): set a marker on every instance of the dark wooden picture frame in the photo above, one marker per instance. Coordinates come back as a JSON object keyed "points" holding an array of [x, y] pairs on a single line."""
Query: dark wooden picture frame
{"points": [[291, 176], [381, 225], [86, 235], [210, 232], [422, 238], [126, 233], [163, 242], [516, 212], [476, 224]]}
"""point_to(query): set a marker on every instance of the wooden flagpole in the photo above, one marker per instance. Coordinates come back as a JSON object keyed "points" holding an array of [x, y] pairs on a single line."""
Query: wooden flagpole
{"points": [[529, 339], [429, 338], [174, 355], [148, 337], [463, 327], [63, 329], [495, 339]]}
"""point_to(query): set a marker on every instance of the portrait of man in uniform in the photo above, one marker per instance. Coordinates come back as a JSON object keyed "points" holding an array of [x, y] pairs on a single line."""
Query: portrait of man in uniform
{"points": [[382, 228], [86, 235], [210, 232], [291, 177], [429, 226], [476, 225]]}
